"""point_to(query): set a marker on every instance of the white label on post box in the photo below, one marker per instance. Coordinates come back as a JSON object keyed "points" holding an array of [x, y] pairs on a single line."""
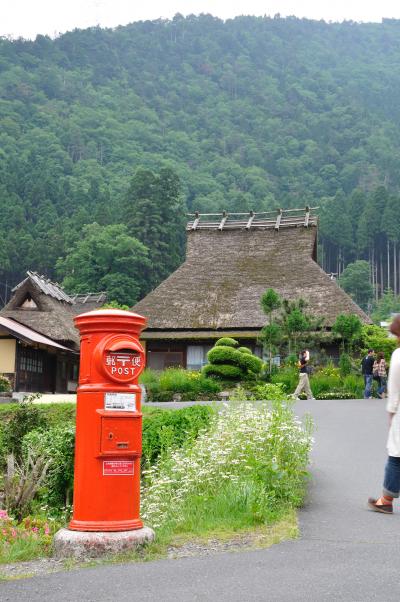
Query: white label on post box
{"points": [[118, 468], [122, 402]]}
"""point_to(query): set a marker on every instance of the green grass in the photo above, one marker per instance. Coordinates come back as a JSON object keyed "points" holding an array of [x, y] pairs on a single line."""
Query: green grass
{"points": [[22, 550], [232, 508]]}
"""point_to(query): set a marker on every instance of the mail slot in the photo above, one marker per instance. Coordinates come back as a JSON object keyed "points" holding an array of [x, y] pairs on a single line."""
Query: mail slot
{"points": [[120, 435], [108, 422]]}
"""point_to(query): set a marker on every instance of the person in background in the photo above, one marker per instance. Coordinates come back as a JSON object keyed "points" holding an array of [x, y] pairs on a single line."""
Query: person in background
{"points": [[391, 483], [304, 383], [367, 366], [380, 374]]}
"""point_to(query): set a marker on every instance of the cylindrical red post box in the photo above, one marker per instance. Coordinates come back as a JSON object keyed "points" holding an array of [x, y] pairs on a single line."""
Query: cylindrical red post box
{"points": [[108, 422]]}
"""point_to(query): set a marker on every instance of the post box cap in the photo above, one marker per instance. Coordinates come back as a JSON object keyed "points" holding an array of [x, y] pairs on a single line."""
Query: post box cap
{"points": [[111, 313], [108, 320]]}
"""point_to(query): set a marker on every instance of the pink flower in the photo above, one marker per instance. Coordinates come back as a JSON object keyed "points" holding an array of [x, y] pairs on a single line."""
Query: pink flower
{"points": [[35, 529], [13, 532], [3, 515], [46, 529]]}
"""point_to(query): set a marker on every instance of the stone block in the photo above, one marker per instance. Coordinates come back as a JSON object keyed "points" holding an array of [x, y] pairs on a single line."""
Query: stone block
{"points": [[95, 544]]}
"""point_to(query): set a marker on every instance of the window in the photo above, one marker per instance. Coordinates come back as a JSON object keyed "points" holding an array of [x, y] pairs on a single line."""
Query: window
{"points": [[197, 356], [159, 360]]}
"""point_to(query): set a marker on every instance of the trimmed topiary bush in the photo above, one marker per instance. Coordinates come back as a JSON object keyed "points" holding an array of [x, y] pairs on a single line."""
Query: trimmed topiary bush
{"points": [[227, 342], [223, 371], [226, 362], [223, 355], [250, 363]]}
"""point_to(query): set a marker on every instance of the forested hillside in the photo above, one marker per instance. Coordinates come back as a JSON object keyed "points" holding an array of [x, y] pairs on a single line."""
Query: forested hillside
{"points": [[252, 113]]}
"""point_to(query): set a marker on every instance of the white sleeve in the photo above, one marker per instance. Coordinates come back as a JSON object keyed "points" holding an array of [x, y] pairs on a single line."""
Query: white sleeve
{"points": [[394, 383]]}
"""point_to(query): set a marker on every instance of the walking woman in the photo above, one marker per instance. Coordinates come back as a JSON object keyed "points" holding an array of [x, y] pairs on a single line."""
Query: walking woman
{"points": [[391, 483], [380, 373], [304, 383]]}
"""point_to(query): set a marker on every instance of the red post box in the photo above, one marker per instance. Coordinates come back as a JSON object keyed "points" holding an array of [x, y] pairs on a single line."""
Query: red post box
{"points": [[108, 422]]}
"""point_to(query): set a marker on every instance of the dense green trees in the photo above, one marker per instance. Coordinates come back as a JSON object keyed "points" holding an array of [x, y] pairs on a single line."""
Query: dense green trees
{"points": [[355, 281], [387, 304], [155, 216], [106, 259], [292, 324], [251, 113], [348, 327]]}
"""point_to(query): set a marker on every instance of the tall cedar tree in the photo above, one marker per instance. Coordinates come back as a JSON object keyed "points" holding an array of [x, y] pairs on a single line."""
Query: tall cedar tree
{"points": [[156, 217]]}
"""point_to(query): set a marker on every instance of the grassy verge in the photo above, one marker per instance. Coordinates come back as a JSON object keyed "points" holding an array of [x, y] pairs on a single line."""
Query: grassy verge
{"points": [[214, 533], [169, 545]]}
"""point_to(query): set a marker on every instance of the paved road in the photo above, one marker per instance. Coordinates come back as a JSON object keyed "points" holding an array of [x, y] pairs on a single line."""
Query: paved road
{"points": [[345, 553]]}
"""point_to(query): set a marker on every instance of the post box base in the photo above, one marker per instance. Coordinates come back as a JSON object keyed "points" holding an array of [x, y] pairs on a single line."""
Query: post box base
{"points": [[110, 525], [81, 545]]}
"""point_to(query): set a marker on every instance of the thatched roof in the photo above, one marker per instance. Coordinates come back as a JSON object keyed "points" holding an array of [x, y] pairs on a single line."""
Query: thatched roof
{"points": [[45, 307], [227, 269]]}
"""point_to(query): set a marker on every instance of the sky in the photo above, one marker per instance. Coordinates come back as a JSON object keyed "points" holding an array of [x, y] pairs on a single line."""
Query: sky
{"points": [[27, 18]]}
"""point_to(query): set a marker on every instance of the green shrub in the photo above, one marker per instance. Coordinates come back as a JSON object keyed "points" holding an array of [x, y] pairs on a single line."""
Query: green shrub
{"points": [[149, 377], [320, 383], [172, 428], [269, 391], [176, 379], [250, 363], [226, 342], [329, 370], [155, 395], [223, 371], [58, 444], [222, 358], [288, 376], [354, 384], [377, 338], [25, 418], [190, 384], [345, 364], [58, 414], [245, 350], [292, 361], [5, 385], [224, 355]]}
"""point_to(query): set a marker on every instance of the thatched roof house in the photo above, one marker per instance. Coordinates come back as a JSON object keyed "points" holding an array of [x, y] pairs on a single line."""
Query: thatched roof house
{"points": [[39, 344], [230, 262]]}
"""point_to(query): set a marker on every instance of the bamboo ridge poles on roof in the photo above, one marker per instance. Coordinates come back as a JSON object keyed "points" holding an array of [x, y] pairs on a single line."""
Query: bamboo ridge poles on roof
{"points": [[277, 219]]}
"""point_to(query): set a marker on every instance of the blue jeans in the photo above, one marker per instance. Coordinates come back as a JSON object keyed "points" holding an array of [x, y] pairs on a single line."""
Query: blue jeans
{"points": [[382, 385], [391, 483], [368, 386]]}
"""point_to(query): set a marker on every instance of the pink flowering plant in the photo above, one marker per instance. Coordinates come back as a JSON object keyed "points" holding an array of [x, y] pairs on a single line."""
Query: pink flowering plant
{"points": [[22, 540]]}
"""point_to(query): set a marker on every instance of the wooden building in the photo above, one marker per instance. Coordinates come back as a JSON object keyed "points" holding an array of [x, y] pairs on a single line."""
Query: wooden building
{"points": [[39, 345], [231, 261]]}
